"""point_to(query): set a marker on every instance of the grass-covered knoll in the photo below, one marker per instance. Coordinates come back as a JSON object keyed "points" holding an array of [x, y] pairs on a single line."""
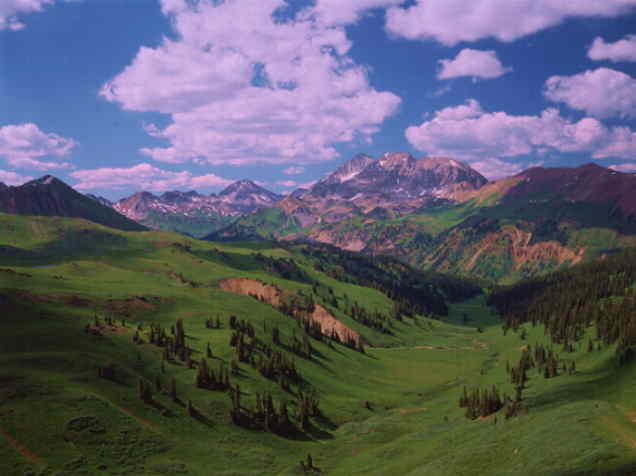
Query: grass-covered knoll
{"points": [[390, 410]]}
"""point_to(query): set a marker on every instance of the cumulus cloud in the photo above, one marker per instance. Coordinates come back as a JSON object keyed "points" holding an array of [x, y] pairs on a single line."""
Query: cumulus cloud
{"points": [[628, 167], [23, 144], [11, 178], [294, 170], [453, 21], [472, 108], [11, 9], [601, 93], [339, 12], [472, 134], [144, 176], [622, 50], [476, 64], [234, 98]]}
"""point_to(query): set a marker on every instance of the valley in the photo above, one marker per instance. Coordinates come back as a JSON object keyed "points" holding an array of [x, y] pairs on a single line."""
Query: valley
{"points": [[317, 238], [390, 409]]}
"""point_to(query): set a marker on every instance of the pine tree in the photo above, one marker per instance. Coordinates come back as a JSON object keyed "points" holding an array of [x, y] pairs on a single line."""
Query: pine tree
{"points": [[173, 389]]}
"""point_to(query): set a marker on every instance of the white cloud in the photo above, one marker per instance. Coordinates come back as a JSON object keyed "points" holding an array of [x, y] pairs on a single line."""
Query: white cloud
{"points": [[473, 63], [234, 98], [602, 92], [10, 9], [23, 144], [453, 21], [472, 108], [308, 185], [339, 12], [294, 170], [287, 183], [622, 50], [628, 167], [472, 134], [144, 176], [496, 168], [11, 178]]}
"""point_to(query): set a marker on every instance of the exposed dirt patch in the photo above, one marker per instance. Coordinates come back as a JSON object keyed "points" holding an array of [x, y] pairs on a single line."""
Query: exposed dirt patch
{"points": [[350, 241], [329, 324], [406, 411], [23, 450], [517, 243], [67, 299], [274, 297], [250, 287], [134, 304]]}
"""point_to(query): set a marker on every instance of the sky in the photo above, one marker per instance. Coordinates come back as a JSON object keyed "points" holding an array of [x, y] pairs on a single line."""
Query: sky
{"points": [[117, 96]]}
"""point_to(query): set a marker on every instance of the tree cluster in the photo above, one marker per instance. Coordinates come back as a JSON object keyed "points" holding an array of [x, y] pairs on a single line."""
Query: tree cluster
{"points": [[601, 294], [481, 402]]}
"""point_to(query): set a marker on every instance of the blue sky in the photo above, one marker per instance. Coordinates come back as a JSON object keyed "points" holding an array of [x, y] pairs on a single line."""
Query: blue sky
{"points": [[182, 94]]}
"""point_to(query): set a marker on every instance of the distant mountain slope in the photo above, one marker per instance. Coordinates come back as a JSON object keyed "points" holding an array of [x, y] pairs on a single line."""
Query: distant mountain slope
{"points": [[537, 221], [102, 200], [395, 185], [193, 213], [49, 196], [588, 183]]}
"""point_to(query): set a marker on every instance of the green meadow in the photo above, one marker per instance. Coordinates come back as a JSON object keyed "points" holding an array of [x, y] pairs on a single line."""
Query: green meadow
{"points": [[390, 410]]}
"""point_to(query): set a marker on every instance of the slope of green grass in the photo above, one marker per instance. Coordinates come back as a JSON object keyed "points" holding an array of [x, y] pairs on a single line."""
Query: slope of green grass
{"points": [[391, 410]]}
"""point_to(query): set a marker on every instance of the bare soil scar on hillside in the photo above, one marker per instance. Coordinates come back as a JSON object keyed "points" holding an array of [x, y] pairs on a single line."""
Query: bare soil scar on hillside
{"points": [[274, 296]]}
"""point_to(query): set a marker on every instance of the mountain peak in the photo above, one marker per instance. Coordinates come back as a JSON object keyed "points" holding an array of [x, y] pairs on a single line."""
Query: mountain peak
{"points": [[45, 180], [350, 169], [175, 195], [396, 157], [241, 185], [49, 196]]}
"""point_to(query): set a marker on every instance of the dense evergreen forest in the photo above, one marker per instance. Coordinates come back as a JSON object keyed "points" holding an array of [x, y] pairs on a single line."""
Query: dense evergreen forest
{"points": [[600, 294], [413, 291]]}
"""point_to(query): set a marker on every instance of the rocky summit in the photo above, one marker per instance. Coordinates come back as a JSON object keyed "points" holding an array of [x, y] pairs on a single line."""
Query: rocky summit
{"points": [[398, 177], [194, 213], [394, 184]]}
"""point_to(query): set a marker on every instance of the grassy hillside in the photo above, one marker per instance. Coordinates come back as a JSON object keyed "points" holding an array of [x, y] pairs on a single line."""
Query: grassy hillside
{"points": [[196, 223], [390, 410]]}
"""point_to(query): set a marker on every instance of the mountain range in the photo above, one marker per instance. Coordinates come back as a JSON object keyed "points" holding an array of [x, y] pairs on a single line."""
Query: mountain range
{"points": [[440, 214], [194, 213], [434, 213]]}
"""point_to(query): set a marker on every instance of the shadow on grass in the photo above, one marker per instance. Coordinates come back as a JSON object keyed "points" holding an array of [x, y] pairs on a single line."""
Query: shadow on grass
{"points": [[607, 376]]}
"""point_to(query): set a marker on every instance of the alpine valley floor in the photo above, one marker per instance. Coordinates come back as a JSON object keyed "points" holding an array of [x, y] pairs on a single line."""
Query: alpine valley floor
{"points": [[390, 410]]}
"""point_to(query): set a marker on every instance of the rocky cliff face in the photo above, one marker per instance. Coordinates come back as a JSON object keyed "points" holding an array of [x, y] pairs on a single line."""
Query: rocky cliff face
{"points": [[397, 177], [394, 185]]}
